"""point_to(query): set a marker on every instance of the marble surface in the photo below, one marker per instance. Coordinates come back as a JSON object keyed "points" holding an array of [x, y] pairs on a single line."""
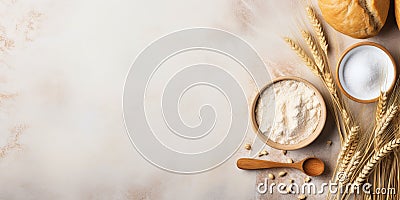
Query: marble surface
{"points": [[62, 70]]}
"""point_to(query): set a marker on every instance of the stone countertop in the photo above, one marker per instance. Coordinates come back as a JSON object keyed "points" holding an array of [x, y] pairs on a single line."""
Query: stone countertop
{"points": [[63, 67]]}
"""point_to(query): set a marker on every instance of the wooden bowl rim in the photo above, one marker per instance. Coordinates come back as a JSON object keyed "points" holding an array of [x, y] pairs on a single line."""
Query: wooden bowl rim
{"points": [[365, 43], [306, 141]]}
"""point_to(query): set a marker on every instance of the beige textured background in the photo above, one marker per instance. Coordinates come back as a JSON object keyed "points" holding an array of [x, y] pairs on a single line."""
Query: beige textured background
{"points": [[62, 70]]}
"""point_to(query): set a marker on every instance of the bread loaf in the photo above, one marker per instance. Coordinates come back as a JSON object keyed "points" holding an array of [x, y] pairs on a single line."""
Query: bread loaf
{"points": [[356, 18], [397, 12]]}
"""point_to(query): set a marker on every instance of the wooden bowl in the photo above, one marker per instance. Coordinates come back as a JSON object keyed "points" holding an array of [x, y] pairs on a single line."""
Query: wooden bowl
{"points": [[338, 79], [304, 142]]}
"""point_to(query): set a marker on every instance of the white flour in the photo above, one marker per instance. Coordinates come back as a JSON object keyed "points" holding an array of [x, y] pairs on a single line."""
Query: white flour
{"points": [[297, 112]]}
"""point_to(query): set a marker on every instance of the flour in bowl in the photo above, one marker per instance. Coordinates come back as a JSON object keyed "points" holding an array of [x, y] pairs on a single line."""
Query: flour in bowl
{"points": [[297, 112]]}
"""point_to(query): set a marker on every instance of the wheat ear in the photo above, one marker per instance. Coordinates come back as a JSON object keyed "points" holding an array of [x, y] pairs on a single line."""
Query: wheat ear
{"points": [[303, 55], [347, 158], [353, 164], [381, 107], [319, 60], [348, 149], [383, 123], [317, 29], [330, 84], [351, 138], [378, 156]]}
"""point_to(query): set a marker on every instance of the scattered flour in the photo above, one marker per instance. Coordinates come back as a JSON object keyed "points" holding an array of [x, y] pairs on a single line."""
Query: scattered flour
{"points": [[297, 112]]}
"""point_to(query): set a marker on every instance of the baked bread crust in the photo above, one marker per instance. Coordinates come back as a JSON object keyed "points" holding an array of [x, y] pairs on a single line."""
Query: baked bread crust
{"points": [[356, 18], [397, 12]]}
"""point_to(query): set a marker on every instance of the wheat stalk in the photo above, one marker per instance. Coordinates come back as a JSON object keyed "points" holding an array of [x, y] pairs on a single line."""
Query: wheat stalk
{"points": [[378, 156], [326, 75], [317, 29], [322, 62]]}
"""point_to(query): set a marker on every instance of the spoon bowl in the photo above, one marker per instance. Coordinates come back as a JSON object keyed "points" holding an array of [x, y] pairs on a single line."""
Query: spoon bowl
{"points": [[313, 166]]}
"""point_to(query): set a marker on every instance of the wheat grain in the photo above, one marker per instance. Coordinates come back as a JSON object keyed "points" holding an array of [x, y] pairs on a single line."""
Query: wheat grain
{"points": [[318, 29], [378, 156]]}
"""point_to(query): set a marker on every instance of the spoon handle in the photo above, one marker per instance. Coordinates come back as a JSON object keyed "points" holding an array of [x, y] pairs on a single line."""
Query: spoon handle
{"points": [[250, 163]]}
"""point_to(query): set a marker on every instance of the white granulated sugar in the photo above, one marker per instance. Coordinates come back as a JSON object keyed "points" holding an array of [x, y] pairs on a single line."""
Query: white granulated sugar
{"points": [[297, 112], [363, 72]]}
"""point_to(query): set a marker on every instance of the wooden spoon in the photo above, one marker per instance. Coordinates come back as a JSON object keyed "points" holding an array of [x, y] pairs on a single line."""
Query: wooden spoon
{"points": [[310, 166]]}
